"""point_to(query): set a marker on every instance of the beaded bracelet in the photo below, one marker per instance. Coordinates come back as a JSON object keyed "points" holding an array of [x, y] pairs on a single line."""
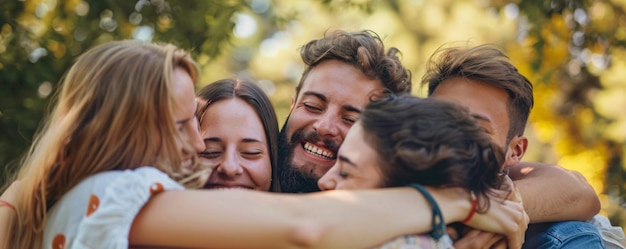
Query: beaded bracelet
{"points": [[439, 226], [473, 210], [7, 204]]}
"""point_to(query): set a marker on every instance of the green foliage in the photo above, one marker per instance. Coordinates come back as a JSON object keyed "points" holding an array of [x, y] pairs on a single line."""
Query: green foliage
{"points": [[38, 43], [589, 33], [553, 45]]}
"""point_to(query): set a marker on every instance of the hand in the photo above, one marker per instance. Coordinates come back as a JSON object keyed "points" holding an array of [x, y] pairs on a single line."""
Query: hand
{"points": [[477, 239], [509, 216]]}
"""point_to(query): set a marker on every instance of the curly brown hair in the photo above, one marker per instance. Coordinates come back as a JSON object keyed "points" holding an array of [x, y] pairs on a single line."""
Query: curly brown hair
{"points": [[363, 50], [432, 142]]}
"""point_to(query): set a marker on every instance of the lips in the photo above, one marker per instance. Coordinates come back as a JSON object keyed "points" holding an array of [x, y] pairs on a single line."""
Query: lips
{"points": [[187, 165], [223, 187], [317, 151]]}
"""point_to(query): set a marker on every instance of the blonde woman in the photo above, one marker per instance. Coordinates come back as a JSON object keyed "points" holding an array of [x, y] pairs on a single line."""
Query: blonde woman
{"points": [[122, 134]]}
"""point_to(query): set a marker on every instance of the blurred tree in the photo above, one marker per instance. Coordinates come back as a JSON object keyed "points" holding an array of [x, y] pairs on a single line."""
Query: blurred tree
{"points": [[40, 38], [565, 47], [571, 49]]}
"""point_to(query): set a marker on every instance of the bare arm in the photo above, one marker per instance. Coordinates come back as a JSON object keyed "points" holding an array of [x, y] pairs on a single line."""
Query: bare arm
{"points": [[546, 189], [6, 213], [247, 219]]}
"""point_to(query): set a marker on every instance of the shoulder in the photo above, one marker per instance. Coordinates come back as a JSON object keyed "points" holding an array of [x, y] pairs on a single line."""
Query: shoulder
{"points": [[99, 211]]}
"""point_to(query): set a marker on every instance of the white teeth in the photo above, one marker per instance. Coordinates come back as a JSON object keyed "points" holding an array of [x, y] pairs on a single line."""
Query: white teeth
{"points": [[227, 188], [314, 150]]}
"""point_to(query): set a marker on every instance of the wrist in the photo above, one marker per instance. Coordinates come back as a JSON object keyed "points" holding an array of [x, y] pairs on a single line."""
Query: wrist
{"points": [[474, 203], [438, 221], [454, 202]]}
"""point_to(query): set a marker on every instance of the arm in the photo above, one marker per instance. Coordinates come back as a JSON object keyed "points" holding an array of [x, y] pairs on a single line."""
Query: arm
{"points": [[337, 219], [7, 213], [546, 189]]}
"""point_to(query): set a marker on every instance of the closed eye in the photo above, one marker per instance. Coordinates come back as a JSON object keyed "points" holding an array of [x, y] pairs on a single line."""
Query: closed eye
{"points": [[312, 108], [210, 154], [343, 174], [350, 119]]}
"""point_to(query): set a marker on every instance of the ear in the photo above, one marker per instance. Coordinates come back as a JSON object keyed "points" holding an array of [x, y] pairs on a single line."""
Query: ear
{"points": [[515, 151], [293, 103]]}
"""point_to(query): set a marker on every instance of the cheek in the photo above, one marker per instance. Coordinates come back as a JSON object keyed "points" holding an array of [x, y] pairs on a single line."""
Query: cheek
{"points": [[345, 184], [349, 184], [298, 120], [261, 173]]}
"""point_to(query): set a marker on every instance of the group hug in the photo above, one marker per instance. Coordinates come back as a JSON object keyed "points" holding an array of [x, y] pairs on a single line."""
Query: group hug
{"points": [[132, 156]]}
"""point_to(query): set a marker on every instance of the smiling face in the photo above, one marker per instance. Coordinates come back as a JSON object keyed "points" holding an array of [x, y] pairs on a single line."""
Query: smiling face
{"points": [[236, 144], [330, 101], [184, 110], [356, 166]]}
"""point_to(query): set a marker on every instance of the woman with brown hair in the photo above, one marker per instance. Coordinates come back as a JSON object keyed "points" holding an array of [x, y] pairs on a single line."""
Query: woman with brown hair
{"points": [[405, 140], [240, 131]]}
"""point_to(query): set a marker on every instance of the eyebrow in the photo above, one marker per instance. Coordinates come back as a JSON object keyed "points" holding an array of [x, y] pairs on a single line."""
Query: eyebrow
{"points": [[481, 117], [320, 96], [347, 160], [217, 139], [184, 121]]}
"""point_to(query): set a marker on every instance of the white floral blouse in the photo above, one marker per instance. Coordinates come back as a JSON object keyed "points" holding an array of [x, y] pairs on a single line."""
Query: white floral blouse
{"points": [[99, 211]]}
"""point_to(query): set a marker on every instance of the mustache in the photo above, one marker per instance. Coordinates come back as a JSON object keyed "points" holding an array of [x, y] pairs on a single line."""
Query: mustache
{"points": [[313, 137]]}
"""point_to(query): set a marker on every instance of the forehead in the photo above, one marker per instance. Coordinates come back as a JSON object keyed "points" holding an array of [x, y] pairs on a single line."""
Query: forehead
{"points": [[478, 96], [359, 151], [232, 117], [488, 103], [183, 93], [340, 82], [354, 142]]}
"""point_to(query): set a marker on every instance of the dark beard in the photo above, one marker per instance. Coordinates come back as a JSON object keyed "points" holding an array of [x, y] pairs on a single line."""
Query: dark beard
{"points": [[292, 179]]}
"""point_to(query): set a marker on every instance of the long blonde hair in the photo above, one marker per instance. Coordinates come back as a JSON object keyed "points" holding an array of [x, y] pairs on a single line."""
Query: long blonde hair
{"points": [[113, 103]]}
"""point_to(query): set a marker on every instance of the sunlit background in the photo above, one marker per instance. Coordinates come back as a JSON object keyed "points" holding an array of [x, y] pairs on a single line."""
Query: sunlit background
{"points": [[573, 51]]}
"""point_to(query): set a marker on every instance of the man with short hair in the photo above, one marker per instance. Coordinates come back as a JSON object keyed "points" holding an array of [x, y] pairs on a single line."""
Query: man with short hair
{"points": [[343, 71], [482, 79]]}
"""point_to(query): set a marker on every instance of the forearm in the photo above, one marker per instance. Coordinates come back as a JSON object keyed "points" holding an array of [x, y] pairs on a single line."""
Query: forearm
{"points": [[354, 219], [546, 189], [7, 211], [246, 219], [6, 215]]}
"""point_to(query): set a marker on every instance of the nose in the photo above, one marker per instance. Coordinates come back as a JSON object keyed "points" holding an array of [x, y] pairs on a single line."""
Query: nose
{"points": [[231, 165], [328, 124], [196, 137], [329, 180]]}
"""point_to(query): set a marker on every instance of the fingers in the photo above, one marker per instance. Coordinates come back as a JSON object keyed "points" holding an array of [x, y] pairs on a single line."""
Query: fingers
{"points": [[452, 232], [477, 239], [515, 194], [493, 241], [516, 235], [501, 244]]}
